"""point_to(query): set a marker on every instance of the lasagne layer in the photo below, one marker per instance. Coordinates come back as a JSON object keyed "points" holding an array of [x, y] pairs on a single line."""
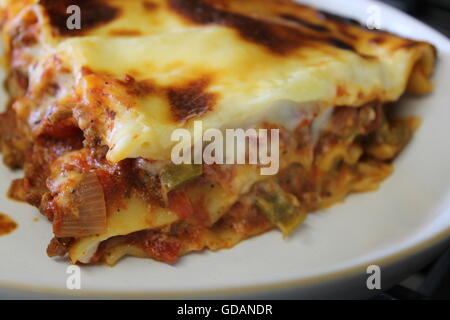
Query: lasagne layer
{"points": [[93, 109]]}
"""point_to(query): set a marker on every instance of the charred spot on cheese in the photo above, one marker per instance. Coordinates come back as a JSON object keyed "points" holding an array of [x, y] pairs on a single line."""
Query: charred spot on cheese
{"points": [[110, 114], [378, 40], [138, 88], [408, 44], [149, 5], [341, 91], [125, 33], [93, 14], [341, 44], [190, 100], [278, 38], [309, 25], [85, 71], [325, 15]]}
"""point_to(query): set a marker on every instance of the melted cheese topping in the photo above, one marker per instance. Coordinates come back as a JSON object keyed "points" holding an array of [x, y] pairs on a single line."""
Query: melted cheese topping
{"points": [[209, 67]]}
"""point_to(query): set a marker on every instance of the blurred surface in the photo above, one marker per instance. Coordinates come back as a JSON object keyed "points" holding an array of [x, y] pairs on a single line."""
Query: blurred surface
{"points": [[431, 283], [435, 13]]}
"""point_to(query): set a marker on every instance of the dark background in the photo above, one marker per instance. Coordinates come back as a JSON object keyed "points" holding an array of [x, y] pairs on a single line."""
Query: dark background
{"points": [[433, 12], [434, 281]]}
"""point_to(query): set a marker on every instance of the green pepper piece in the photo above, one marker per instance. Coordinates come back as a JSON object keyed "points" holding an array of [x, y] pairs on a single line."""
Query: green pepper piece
{"points": [[173, 176], [279, 206]]}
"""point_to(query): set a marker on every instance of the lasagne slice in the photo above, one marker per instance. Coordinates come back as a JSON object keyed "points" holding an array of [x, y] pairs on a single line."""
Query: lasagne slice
{"points": [[93, 109]]}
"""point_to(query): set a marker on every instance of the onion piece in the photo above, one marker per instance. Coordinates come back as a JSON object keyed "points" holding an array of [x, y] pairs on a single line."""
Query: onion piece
{"points": [[172, 176], [89, 253], [91, 219]]}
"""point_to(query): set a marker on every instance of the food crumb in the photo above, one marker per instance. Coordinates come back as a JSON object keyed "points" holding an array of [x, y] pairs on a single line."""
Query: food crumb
{"points": [[7, 225]]}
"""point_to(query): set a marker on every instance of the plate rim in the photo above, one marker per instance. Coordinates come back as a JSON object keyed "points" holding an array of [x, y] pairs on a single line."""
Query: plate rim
{"points": [[421, 247]]}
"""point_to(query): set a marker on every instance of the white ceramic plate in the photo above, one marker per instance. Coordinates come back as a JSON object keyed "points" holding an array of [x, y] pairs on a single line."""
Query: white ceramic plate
{"points": [[401, 227]]}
